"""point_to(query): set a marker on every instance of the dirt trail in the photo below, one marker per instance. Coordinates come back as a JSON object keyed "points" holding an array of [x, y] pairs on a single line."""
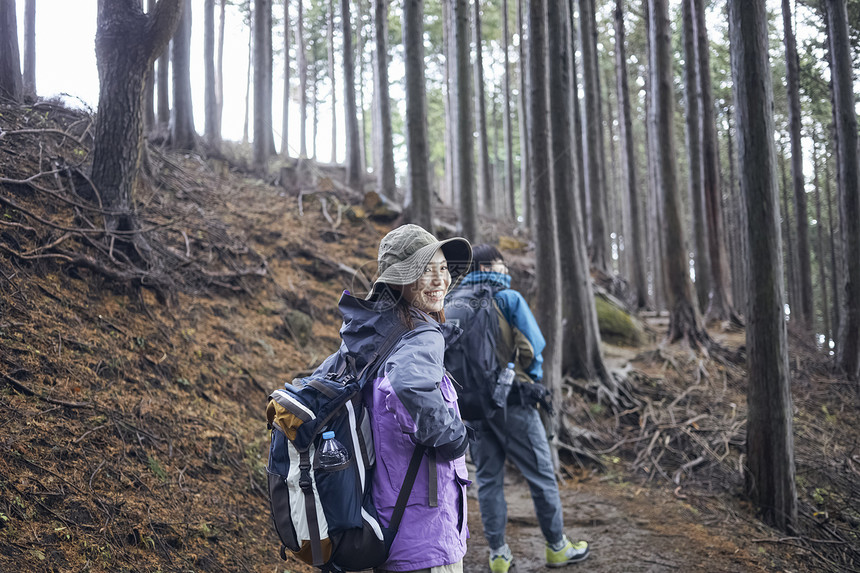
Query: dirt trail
{"points": [[629, 528]]}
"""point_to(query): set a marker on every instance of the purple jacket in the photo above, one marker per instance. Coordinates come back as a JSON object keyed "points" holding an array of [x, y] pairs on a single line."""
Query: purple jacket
{"points": [[411, 402]]}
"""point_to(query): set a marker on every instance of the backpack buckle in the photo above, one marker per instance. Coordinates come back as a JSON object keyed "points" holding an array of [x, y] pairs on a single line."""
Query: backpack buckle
{"points": [[305, 481]]}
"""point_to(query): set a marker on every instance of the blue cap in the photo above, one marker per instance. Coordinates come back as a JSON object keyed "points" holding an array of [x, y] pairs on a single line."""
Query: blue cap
{"points": [[327, 435], [511, 365]]}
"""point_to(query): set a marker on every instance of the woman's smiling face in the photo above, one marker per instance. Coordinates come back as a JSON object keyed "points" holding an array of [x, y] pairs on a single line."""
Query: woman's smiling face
{"points": [[428, 292]]}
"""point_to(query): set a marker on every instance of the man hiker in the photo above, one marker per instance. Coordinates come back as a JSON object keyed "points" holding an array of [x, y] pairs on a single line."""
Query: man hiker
{"points": [[498, 329]]}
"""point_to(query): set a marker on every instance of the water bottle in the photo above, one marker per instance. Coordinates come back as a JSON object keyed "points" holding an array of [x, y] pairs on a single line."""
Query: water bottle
{"points": [[503, 386], [332, 453]]}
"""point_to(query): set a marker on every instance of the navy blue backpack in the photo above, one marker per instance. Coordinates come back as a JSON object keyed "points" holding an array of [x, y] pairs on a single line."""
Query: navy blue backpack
{"points": [[326, 517]]}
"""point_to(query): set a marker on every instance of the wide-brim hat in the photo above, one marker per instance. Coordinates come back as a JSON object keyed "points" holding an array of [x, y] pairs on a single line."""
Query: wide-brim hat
{"points": [[406, 251]]}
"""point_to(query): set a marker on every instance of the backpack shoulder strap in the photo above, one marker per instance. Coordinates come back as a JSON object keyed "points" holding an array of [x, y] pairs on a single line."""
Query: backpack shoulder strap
{"points": [[405, 491]]}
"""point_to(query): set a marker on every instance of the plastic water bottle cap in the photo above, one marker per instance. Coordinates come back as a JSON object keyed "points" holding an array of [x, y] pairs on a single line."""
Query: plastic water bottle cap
{"points": [[328, 435], [511, 365]]}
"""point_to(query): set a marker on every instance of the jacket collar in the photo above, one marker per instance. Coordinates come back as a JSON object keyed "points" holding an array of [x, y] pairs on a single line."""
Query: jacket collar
{"points": [[486, 277]]}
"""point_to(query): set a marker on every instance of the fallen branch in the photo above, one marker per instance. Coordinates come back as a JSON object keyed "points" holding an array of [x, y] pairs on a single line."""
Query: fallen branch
{"points": [[29, 392]]}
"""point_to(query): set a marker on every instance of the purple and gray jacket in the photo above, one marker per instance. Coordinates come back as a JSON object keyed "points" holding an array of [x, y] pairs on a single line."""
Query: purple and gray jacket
{"points": [[412, 401]]}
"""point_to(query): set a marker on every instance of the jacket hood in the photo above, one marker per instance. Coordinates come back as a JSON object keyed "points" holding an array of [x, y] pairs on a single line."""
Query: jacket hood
{"points": [[366, 323]]}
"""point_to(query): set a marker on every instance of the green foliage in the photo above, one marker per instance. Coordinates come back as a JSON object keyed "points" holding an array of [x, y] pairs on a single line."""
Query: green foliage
{"points": [[156, 468]]}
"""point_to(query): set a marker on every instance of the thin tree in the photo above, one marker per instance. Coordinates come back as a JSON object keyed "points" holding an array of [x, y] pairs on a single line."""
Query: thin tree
{"points": [[249, 69], [162, 89], [684, 320], [694, 151], [464, 163], [219, 67], [510, 198], [580, 349], [29, 78], [770, 447], [210, 132], [302, 65], [127, 41], [353, 137], [593, 138], [525, 152], [149, 124], [262, 19], [285, 114], [576, 141], [548, 277], [638, 280], [720, 306], [331, 77], [385, 169], [842, 74], [418, 195], [11, 83], [804, 265], [485, 180], [182, 134], [821, 250]]}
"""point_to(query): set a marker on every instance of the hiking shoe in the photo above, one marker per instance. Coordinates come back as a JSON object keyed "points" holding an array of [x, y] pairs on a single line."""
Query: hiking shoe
{"points": [[569, 552], [501, 559]]}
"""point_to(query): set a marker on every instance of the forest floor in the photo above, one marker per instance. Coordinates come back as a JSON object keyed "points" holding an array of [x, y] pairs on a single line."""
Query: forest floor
{"points": [[132, 425]]}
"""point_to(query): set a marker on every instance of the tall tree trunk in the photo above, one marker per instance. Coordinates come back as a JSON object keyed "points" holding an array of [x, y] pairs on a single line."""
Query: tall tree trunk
{"points": [[770, 446], [720, 307], [842, 74], [261, 30], [525, 152], [162, 89], [580, 348], [691, 95], [302, 65], [270, 86], [11, 83], [127, 42], [353, 148], [576, 141], [182, 135], [245, 136], [635, 240], [740, 256], [510, 197], [684, 320], [485, 180], [804, 266], [834, 267], [790, 274], [418, 195], [362, 135], [821, 251], [548, 278], [285, 114], [332, 80], [464, 163], [149, 88], [385, 171], [219, 68], [29, 78], [655, 196], [210, 105], [592, 138], [315, 110]]}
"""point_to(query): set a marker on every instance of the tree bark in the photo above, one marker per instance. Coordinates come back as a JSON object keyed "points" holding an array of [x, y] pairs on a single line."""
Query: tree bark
{"points": [[464, 163], [790, 273], [302, 65], [635, 242], [210, 105], [149, 124], [182, 135], [804, 265], [285, 115], [821, 251], [842, 74], [579, 352], [127, 41], [353, 147], [684, 321], [332, 79], [510, 197], [11, 83], [485, 180], [385, 171], [29, 78], [592, 138], [525, 152], [162, 89], [770, 446], [262, 17], [419, 205], [547, 279], [720, 307], [694, 148], [219, 68], [576, 141], [245, 127]]}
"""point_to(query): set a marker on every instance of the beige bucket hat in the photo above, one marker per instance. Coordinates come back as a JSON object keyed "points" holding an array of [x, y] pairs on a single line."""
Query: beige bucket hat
{"points": [[405, 252]]}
